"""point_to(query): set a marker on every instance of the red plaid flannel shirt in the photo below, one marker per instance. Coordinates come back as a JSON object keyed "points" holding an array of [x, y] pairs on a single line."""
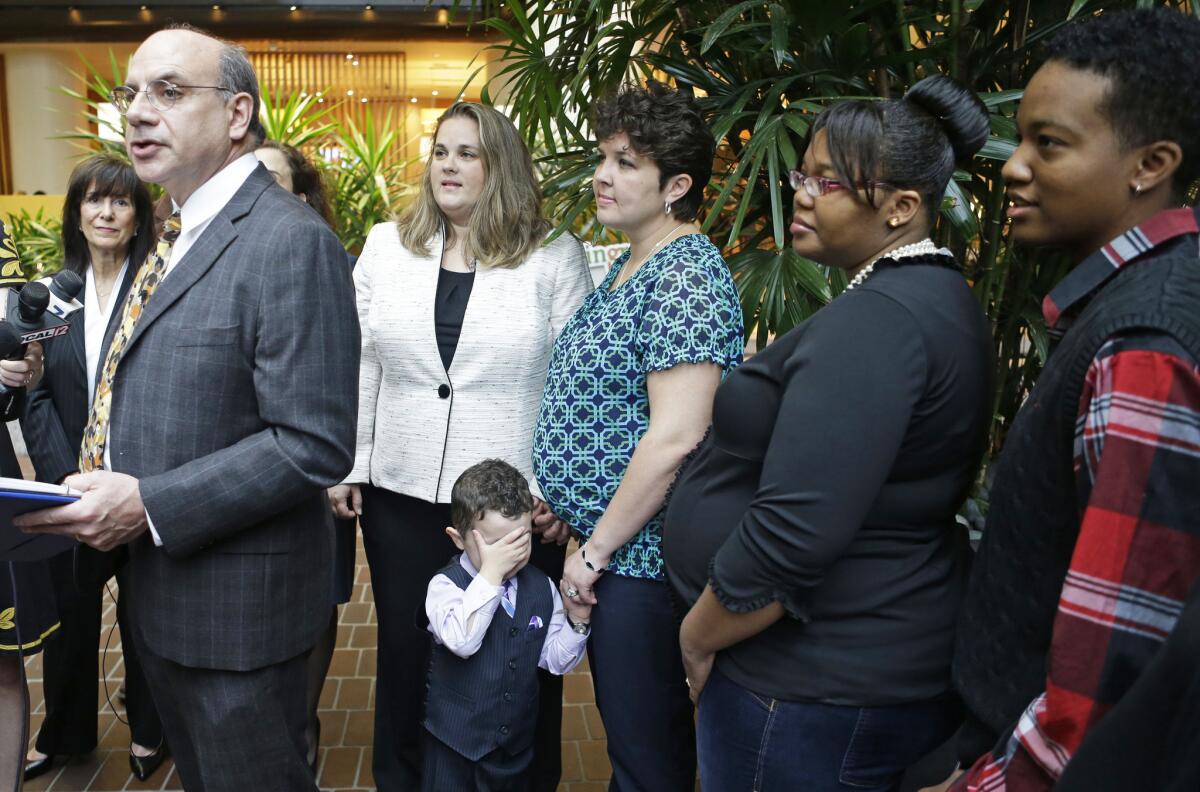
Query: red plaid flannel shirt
{"points": [[1137, 463]]}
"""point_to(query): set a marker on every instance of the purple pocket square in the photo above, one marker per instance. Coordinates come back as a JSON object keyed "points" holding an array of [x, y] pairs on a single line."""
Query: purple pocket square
{"points": [[535, 623]]}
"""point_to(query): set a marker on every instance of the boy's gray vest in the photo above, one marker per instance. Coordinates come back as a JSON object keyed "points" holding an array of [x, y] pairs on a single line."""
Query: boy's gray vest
{"points": [[490, 700]]}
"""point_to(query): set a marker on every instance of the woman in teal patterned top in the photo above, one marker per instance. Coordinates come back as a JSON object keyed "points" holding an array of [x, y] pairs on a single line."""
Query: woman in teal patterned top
{"points": [[629, 393]]}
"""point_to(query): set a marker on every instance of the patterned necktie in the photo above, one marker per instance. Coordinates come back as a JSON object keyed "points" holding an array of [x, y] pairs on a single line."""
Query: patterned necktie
{"points": [[510, 607], [95, 435]]}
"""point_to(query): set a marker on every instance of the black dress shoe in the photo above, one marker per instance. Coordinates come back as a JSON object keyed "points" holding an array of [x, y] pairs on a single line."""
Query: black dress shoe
{"points": [[143, 767], [38, 767]]}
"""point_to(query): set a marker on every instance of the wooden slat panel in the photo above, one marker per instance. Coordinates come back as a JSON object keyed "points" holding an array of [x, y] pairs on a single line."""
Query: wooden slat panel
{"points": [[379, 77]]}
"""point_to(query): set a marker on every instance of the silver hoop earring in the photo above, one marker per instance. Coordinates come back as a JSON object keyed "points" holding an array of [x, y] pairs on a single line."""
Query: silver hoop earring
{"points": [[667, 208]]}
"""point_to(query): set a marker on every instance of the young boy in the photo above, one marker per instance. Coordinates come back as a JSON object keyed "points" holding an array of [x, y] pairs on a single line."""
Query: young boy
{"points": [[1093, 533], [495, 621]]}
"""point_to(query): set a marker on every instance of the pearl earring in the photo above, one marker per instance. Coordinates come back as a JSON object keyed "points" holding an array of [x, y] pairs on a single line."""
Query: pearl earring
{"points": [[1137, 189]]}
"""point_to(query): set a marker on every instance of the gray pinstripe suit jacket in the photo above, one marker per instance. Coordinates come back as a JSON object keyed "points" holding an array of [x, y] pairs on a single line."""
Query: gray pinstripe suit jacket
{"points": [[235, 407]]}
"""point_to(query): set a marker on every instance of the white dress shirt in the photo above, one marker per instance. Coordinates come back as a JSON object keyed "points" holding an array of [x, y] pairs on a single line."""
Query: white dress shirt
{"points": [[459, 618], [204, 204], [95, 322], [196, 213]]}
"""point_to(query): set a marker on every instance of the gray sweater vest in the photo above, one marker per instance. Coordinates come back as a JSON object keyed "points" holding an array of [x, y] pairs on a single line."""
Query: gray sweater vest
{"points": [[1007, 618]]}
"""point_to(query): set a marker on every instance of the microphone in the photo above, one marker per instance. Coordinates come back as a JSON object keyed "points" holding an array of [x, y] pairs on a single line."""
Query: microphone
{"points": [[10, 342], [65, 287], [28, 314], [30, 308]]}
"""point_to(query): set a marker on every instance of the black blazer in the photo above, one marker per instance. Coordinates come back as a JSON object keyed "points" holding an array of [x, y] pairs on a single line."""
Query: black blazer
{"points": [[58, 407], [55, 417]]}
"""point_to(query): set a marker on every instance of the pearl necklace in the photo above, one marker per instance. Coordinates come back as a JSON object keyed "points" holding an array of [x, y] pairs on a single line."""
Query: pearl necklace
{"points": [[923, 248]]}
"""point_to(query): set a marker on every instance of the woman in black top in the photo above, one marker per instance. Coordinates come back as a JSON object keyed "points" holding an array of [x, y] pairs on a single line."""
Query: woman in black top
{"points": [[813, 533], [27, 613]]}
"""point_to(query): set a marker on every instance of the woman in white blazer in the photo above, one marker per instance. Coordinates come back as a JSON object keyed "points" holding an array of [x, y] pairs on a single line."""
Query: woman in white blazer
{"points": [[460, 303]]}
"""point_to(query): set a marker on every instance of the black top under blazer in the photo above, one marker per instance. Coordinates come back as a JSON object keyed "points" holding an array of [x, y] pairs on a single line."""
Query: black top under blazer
{"points": [[837, 460]]}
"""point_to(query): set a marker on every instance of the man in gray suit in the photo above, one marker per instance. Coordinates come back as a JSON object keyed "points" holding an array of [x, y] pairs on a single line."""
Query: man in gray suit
{"points": [[233, 406]]}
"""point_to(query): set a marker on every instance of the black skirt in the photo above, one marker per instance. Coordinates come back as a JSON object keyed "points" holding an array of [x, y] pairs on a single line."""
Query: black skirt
{"points": [[27, 612]]}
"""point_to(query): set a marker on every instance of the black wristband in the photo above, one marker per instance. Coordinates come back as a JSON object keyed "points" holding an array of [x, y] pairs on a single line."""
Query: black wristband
{"points": [[588, 564]]}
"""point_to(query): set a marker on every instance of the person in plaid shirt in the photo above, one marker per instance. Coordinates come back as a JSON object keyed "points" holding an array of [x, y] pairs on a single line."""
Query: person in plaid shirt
{"points": [[1110, 128]]}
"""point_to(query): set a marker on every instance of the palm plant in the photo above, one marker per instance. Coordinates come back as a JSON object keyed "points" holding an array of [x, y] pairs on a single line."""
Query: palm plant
{"points": [[368, 180], [38, 242], [761, 69], [297, 120], [101, 133]]}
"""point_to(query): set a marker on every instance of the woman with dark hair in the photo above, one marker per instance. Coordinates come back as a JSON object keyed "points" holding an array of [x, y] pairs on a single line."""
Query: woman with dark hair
{"points": [[628, 394], [813, 533], [293, 172], [108, 229], [297, 175]]}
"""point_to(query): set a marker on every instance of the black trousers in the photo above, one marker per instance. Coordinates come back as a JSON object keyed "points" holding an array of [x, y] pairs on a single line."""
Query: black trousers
{"points": [[234, 731], [71, 661], [406, 545], [447, 770]]}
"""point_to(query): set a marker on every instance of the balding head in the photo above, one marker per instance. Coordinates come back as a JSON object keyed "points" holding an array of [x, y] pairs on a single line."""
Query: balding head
{"points": [[207, 119]]}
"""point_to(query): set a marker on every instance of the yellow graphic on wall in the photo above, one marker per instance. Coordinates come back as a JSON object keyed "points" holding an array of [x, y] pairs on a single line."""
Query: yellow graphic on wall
{"points": [[10, 263]]}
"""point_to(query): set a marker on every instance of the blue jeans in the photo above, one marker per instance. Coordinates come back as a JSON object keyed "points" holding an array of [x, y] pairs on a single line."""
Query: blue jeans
{"points": [[752, 742], [641, 690]]}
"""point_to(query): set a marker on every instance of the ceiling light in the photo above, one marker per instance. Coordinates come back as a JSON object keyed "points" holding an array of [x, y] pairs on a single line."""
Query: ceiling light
{"points": [[370, 8], [434, 93], [349, 56], [413, 100], [363, 100], [292, 8], [350, 93], [355, 63]]}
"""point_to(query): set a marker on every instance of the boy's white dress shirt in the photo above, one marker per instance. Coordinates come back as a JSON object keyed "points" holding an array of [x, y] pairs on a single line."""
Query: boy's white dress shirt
{"points": [[459, 618]]}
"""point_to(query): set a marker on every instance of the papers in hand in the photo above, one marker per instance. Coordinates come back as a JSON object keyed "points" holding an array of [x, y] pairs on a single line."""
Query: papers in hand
{"points": [[18, 496]]}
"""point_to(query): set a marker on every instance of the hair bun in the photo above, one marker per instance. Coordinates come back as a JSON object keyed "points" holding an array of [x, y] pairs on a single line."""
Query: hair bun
{"points": [[961, 113]]}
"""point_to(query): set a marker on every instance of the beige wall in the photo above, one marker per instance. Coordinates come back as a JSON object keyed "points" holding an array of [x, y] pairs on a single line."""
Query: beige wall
{"points": [[39, 111]]}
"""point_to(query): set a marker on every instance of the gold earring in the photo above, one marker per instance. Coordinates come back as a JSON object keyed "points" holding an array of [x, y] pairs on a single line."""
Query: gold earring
{"points": [[893, 222]]}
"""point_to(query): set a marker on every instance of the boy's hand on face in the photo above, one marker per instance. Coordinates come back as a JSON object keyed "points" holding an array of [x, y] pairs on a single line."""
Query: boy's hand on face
{"points": [[577, 610], [501, 559]]}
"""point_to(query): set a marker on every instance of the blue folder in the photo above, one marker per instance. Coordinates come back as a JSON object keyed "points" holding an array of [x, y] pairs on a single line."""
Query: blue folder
{"points": [[18, 546]]}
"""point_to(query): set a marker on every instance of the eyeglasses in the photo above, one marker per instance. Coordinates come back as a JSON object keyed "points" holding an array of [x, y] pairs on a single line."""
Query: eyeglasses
{"points": [[162, 94], [816, 186]]}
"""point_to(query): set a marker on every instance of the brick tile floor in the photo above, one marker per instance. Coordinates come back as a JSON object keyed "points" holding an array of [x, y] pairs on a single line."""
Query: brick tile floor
{"points": [[346, 710]]}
